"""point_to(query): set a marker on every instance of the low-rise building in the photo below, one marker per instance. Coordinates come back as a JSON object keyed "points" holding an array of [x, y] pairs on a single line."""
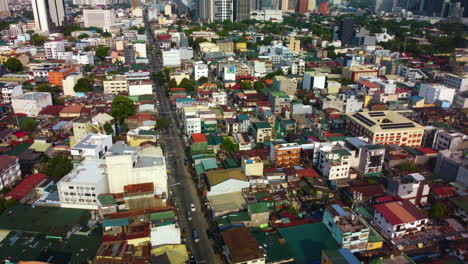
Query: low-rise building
{"points": [[140, 87], [399, 218], [346, 228], [371, 159], [92, 146], [69, 83], [412, 187], [31, 103], [252, 166], [9, 91], [117, 84], [334, 163], [10, 172], [355, 72], [285, 154], [241, 247], [262, 132]]}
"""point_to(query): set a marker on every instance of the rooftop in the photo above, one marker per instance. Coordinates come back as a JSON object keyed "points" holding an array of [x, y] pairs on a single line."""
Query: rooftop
{"points": [[400, 212], [275, 246], [91, 141], [384, 121], [32, 95], [347, 221], [218, 176], [88, 171], [242, 245]]}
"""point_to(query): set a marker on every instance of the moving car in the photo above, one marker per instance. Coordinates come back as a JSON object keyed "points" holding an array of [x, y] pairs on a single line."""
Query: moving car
{"points": [[192, 207]]}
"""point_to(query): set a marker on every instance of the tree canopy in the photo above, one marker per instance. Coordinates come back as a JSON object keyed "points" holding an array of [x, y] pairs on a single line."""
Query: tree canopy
{"points": [[189, 85], [38, 40], [56, 167], [102, 51], [258, 85], [162, 123], [229, 145], [108, 128], [438, 210], [122, 107], [83, 85], [28, 124], [14, 65]]}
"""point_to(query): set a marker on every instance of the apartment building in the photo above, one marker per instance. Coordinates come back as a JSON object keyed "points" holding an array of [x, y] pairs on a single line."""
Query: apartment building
{"points": [[200, 70], [99, 18], [346, 228], [448, 140], [140, 87], [371, 159], [171, 58], [334, 162], [436, 92], [411, 74], [134, 165], [459, 83], [285, 154], [92, 146], [399, 218], [385, 127], [56, 77], [118, 84], [69, 83], [83, 184], [31, 103], [355, 72], [262, 132], [9, 91], [10, 172], [52, 48], [412, 187]]}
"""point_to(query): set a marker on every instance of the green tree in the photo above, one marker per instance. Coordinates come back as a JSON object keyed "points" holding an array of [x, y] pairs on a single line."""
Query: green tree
{"points": [[102, 51], [229, 145], [246, 85], [56, 167], [202, 80], [47, 88], [122, 107], [437, 210], [108, 128], [106, 34], [273, 74], [189, 85], [83, 36], [14, 65], [408, 167], [172, 83], [83, 85], [5, 204], [162, 123], [28, 124], [258, 85], [38, 40]]}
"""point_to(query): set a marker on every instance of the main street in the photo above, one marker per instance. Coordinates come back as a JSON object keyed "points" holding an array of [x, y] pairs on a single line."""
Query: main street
{"points": [[182, 188]]}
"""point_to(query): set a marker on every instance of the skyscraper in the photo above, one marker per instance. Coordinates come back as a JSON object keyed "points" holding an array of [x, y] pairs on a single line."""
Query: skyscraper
{"points": [[222, 10], [241, 10], [48, 14], [4, 10], [346, 31]]}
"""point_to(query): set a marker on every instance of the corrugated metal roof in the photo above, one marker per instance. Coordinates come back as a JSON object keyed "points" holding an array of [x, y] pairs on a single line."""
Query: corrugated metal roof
{"points": [[116, 222]]}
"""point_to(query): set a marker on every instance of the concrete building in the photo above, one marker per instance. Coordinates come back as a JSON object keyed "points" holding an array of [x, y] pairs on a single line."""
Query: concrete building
{"points": [[140, 50], [84, 58], [49, 15], [262, 132], [345, 103], [252, 166], [450, 164], [4, 10], [355, 72], [410, 74], [267, 15], [371, 159], [285, 84], [285, 154], [118, 84], [397, 219], [436, 92], [99, 18], [334, 162], [140, 87], [200, 70], [241, 10], [346, 228], [83, 184], [412, 187], [134, 165], [448, 140], [92, 146], [10, 172], [241, 247], [52, 49], [294, 44], [171, 58], [225, 45], [69, 83], [459, 83], [11, 90], [31, 103], [385, 127], [314, 80], [222, 10]]}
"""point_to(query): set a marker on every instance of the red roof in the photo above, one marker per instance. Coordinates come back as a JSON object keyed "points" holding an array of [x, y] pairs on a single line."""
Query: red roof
{"points": [[307, 172], [198, 138], [51, 110], [400, 212], [21, 134], [427, 150], [25, 186], [368, 84], [139, 188], [144, 116], [164, 36], [442, 190]]}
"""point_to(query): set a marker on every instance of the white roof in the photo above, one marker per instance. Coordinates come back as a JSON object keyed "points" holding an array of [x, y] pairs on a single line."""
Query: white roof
{"points": [[165, 235], [88, 172]]}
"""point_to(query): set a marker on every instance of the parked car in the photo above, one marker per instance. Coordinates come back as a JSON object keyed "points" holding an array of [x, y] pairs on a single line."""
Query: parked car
{"points": [[192, 207]]}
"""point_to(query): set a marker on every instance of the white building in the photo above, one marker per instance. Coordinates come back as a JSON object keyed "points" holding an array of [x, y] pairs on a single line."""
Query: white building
{"points": [[459, 83], [31, 103], [200, 70], [219, 98], [52, 48], [314, 80], [334, 163], [171, 58], [447, 140], [84, 58], [11, 90], [118, 84], [10, 172], [411, 74], [397, 219], [412, 187], [371, 159], [229, 73], [48, 14], [134, 165], [267, 15], [140, 87], [69, 83], [99, 18], [93, 146], [82, 185], [140, 50], [436, 92]]}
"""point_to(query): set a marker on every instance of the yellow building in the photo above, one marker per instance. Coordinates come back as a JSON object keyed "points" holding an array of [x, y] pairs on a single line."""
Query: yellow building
{"points": [[294, 44], [385, 127], [241, 46], [355, 72], [136, 137], [225, 46]]}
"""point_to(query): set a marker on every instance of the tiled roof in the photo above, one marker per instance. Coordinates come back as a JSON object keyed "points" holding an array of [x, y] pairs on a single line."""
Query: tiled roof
{"points": [[399, 212]]}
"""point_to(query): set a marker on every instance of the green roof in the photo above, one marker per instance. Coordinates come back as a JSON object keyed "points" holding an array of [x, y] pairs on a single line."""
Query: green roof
{"points": [[18, 149], [461, 202], [209, 164], [199, 169], [40, 147], [307, 241], [259, 125], [256, 208], [214, 140], [274, 245], [234, 217], [116, 222], [145, 97], [155, 217], [107, 200], [230, 163], [442, 125], [341, 152], [147, 133]]}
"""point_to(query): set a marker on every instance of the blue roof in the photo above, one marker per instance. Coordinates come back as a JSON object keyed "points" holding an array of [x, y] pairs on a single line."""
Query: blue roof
{"points": [[184, 99], [416, 98], [209, 164], [348, 256], [59, 125], [339, 209], [243, 117], [116, 222]]}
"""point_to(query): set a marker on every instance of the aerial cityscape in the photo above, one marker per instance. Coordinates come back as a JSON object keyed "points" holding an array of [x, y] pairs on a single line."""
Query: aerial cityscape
{"points": [[234, 131]]}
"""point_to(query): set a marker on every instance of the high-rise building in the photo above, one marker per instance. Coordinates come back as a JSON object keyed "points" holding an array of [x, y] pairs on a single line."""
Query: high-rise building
{"points": [[264, 4], [222, 10], [135, 4], [4, 10], [312, 5], [48, 14], [303, 6], [284, 5], [241, 10], [346, 31], [99, 18]]}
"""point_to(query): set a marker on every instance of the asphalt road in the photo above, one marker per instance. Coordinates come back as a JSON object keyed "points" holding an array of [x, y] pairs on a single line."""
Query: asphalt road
{"points": [[181, 184]]}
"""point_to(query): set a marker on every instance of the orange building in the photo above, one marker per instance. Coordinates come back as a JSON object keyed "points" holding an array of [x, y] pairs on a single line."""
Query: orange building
{"points": [[56, 77], [323, 8], [285, 154]]}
